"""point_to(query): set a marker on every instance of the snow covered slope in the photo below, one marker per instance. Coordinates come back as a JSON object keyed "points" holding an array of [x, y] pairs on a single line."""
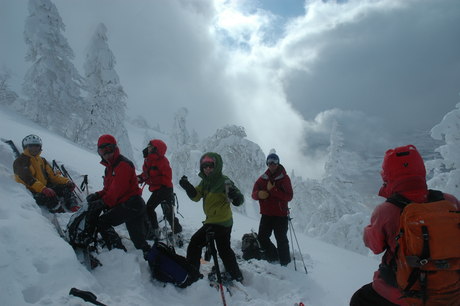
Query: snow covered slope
{"points": [[38, 267]]}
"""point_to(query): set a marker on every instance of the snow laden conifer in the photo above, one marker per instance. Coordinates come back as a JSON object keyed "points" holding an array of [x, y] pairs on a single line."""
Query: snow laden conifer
{"points": [[7, 96], [52, 84], [106, 98], [331, 209], [185, 152], [446, 169]]}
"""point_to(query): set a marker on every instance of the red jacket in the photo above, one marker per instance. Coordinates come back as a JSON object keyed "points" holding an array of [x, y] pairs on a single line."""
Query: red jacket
{"points": [[120, 180], [277, 202], [379, 236], [156, 171]]}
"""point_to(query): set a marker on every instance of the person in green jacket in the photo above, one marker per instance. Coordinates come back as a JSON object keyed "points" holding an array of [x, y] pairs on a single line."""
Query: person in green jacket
{"points": [[217, 192]]}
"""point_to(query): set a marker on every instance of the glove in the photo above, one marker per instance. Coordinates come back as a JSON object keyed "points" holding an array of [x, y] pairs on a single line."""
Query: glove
{"points": [[232, 193], [183, 182], [96, 206], [189, 189], [140, 179], [93, 197], [270, 185], [145, 152], [71, 185], [262, 194], [48, 192]]}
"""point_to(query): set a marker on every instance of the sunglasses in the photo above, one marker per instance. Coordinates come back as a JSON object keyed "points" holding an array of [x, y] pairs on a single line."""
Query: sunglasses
{"points": [[106, 148], [272, 161], [207, 165], [35, 146]]}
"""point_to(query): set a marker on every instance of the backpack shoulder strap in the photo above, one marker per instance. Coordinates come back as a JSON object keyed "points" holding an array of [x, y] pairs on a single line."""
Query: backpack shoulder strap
{"points": [[435, 195], [398, 200]]}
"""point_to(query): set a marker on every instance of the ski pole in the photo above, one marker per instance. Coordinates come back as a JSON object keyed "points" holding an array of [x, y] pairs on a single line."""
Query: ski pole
{"points": [[297, 242], [212, 249], [84, 184]]}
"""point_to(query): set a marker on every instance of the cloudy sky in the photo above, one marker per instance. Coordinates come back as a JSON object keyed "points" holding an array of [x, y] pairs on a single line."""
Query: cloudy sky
{"points": [[285, 70]]}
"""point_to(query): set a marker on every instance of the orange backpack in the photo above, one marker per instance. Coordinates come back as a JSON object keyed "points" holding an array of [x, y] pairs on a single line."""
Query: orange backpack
{"points": [[427, 255]]}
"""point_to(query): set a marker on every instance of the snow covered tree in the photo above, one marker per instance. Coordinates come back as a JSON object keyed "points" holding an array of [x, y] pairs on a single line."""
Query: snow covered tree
{"points": [[7, 96], [332, 209], [180, 134], [446, 169], [52, 84], [106, 98]]}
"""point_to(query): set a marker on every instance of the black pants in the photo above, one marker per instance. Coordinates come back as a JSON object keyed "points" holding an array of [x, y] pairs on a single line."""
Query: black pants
{"points": [[165, 197], [367, 296], [62, 191], [131, 213], [222, 239], [279, 226]]}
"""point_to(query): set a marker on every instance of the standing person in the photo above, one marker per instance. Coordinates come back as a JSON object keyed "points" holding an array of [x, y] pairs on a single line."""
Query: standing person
{"points": [[404, 177], [34, 172], [119, 201], [217, 192], [273, 189], [157, 173]]}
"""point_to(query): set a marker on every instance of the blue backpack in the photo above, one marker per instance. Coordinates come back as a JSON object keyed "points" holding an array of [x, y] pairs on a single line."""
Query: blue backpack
{"points": [[169, 267]]}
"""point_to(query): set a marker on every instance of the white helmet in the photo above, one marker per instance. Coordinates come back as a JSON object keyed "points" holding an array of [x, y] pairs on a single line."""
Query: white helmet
{"points": [[31, 140]]}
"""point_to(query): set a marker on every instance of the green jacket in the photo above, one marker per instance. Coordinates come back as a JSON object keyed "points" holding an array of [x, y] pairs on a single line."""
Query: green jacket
{"points": [[213, 190]]}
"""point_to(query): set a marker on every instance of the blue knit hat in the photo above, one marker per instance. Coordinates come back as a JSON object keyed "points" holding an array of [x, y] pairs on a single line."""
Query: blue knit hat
{"points": [[272, 158]]}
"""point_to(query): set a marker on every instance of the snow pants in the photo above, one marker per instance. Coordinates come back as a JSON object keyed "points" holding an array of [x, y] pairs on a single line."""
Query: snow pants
{"points": [[222, 239], [165, 197], [131, 213], [367, 296], [279, 226]]}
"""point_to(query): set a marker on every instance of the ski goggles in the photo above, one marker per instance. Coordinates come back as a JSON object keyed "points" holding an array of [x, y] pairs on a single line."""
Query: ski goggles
{"points": [[272, 161], [207, 165], [106, 148]]}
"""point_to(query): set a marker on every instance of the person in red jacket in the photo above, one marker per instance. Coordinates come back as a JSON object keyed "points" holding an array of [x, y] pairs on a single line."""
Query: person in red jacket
{"points": [[380, 234], [273, 190], [157, 173], [120, 200]]}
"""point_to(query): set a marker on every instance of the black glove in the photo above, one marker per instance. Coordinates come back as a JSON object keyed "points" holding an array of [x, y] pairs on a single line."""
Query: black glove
{"points": [[189, 189], [93, 197], [140, 179], [232, 193], [235, 196], [95, 207], [145, 152]]}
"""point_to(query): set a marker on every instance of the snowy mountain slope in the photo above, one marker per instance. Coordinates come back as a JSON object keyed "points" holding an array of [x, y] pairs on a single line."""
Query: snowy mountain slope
{"points": [[38, 267]]}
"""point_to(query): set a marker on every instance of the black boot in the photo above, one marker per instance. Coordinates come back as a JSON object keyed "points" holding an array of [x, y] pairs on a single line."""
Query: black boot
{"points": [[112, 240]]}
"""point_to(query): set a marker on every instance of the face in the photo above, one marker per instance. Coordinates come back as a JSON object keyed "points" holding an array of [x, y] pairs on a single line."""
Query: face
{"points": [[106, 151], [151, 149], [34, 150], [272, 167], [208, 168]]}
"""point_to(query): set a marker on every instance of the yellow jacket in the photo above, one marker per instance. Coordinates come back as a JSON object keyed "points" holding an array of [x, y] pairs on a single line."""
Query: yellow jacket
{"points": [[35, 172]]}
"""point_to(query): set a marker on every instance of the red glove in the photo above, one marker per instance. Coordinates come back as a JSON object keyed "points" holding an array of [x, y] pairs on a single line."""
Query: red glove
{"points": [[71, 185], [48, 192]]}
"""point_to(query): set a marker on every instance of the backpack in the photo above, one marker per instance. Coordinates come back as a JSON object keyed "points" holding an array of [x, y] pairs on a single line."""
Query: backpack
{"points": [[75, 234], [169, 267], [427, 255], [250, 246]]}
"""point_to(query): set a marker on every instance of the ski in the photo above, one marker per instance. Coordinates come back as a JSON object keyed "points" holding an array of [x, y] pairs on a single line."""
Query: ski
{"points": [[230, 286], [12, 146]]}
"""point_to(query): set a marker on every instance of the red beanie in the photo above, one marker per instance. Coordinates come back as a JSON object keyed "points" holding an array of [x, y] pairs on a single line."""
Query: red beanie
{"points": [[104, 139]]}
